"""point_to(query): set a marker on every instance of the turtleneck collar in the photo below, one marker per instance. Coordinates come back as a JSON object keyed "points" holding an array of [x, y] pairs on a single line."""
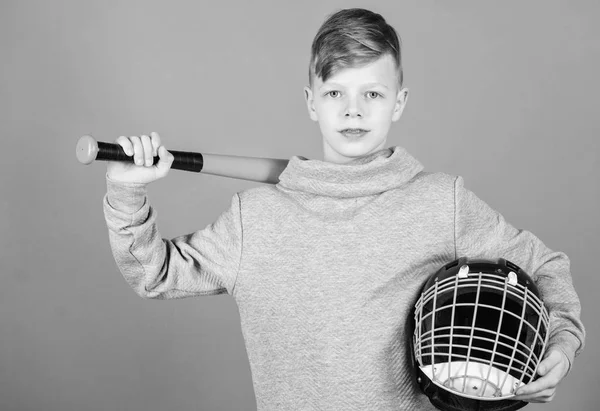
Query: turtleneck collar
{"points": [[375, 173]]}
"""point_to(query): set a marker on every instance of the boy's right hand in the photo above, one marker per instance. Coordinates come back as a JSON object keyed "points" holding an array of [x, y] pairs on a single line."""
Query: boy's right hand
{"points": [[143, 149]]}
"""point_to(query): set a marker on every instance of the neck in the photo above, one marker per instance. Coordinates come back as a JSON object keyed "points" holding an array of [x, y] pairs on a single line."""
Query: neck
{"points": [[330, 155]]}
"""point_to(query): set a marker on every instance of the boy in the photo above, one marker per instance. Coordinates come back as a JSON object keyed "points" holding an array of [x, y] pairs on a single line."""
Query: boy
{"points": [[325, 265]]}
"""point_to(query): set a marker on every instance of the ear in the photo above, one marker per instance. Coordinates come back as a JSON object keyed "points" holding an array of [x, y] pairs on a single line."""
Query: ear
{"points": [[401, 99], [310, 103]]}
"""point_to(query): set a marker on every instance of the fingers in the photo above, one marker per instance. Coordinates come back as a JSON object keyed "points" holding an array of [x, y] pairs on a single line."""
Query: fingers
{"points": [[553, 358], [138, 150], [155, 139], [165, 161], [143, 148], [147, 146], [542, 396], [126, 144], [539, 387], [552, 370]]}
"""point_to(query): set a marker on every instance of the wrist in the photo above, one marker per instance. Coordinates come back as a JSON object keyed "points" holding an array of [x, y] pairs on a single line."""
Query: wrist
{"points": [[125, 196]]}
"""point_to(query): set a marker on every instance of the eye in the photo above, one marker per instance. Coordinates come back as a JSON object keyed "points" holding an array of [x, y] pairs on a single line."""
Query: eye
{"points": [[331, 93], [373, 94]]}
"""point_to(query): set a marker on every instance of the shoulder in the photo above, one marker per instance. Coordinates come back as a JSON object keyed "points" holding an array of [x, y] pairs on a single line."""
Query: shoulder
{"points": [[436, 177], [435, 181], [258, 200], [259, 194]]}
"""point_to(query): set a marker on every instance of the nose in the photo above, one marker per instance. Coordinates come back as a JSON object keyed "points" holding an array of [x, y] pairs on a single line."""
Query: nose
{"points": [[353, 109]]}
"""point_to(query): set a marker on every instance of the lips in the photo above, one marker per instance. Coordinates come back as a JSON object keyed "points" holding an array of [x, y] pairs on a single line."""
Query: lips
{"points": [[353, 132]]}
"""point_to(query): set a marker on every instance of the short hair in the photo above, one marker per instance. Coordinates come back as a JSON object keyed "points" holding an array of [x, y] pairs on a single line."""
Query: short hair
{"points": [[353, 38]]}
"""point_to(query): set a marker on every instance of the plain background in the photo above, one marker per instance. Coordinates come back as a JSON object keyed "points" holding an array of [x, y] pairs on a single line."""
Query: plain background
{"points": [[503, 93]]}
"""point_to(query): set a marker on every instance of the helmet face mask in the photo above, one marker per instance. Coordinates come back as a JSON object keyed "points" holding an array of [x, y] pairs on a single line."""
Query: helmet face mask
{"points": [[480, 330]]}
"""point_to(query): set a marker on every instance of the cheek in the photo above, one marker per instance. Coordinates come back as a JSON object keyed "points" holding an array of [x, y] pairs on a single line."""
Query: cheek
{"points": [[384, 111], [326, 112]]}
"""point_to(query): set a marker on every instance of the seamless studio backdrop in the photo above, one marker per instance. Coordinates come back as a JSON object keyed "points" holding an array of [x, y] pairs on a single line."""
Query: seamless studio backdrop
{"points": [[502, 93]]}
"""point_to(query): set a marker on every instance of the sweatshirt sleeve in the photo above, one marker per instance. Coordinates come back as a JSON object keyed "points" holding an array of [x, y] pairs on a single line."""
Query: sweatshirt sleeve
{"points": [[202, 263], [481, 232]]}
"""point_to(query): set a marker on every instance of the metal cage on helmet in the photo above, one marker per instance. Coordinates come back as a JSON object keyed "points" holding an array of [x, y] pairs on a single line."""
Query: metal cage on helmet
{"points": [[480, 332]]}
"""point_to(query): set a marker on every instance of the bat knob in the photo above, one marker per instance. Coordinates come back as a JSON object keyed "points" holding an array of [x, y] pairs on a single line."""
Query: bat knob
{"points": [[87, 149]]}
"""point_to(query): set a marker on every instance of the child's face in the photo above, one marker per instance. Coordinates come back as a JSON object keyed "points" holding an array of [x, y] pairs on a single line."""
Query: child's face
{"points": [[367, 98]]}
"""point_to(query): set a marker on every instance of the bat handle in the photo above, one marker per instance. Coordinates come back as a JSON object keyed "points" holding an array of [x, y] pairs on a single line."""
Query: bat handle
{"points": [[88, 150]]}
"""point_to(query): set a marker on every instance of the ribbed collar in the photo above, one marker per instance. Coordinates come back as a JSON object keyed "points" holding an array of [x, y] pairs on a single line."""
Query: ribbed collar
{"points": [[373, 174]]}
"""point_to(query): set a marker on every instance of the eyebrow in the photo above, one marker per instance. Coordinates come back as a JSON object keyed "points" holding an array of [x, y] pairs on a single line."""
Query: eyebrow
{"points": [[365, 85]]}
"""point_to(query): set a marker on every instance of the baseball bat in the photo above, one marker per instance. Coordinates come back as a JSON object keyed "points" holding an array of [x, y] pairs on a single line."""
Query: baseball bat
{"points": [[262, 170]]}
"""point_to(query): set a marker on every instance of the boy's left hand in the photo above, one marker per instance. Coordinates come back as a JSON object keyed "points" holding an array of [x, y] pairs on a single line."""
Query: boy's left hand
{"points": [[551, 370]]}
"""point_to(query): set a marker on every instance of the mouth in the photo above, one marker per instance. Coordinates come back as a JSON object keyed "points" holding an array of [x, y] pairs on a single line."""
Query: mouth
{"points": [[354, 132]]}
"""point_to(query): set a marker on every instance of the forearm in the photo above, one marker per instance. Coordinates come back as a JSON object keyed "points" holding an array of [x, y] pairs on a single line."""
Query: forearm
{"points": [[554, 281], [137, 247], [482, 232], [205, 262]]}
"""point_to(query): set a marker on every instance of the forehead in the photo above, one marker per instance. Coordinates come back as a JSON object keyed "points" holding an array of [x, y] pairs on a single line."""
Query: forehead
{"points": [[382, 71]]}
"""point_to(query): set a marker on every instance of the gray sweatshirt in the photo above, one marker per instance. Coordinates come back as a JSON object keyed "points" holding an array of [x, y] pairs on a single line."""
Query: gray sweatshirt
{"points": [[325, 267]]}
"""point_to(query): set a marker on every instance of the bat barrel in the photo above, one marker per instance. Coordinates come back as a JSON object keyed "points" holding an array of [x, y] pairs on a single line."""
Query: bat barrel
{"points": [[262, 170]]}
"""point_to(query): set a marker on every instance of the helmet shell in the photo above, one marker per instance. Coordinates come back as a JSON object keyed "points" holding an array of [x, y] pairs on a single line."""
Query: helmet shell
{"points": [[480, 330]]}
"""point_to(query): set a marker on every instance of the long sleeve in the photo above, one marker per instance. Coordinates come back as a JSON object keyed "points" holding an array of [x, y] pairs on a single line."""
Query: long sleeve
{"points": [[481, 232], [202, 263]]}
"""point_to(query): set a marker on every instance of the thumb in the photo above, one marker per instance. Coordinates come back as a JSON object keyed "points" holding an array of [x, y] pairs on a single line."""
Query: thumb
{"points": [[165, 160], [551, 360]]}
